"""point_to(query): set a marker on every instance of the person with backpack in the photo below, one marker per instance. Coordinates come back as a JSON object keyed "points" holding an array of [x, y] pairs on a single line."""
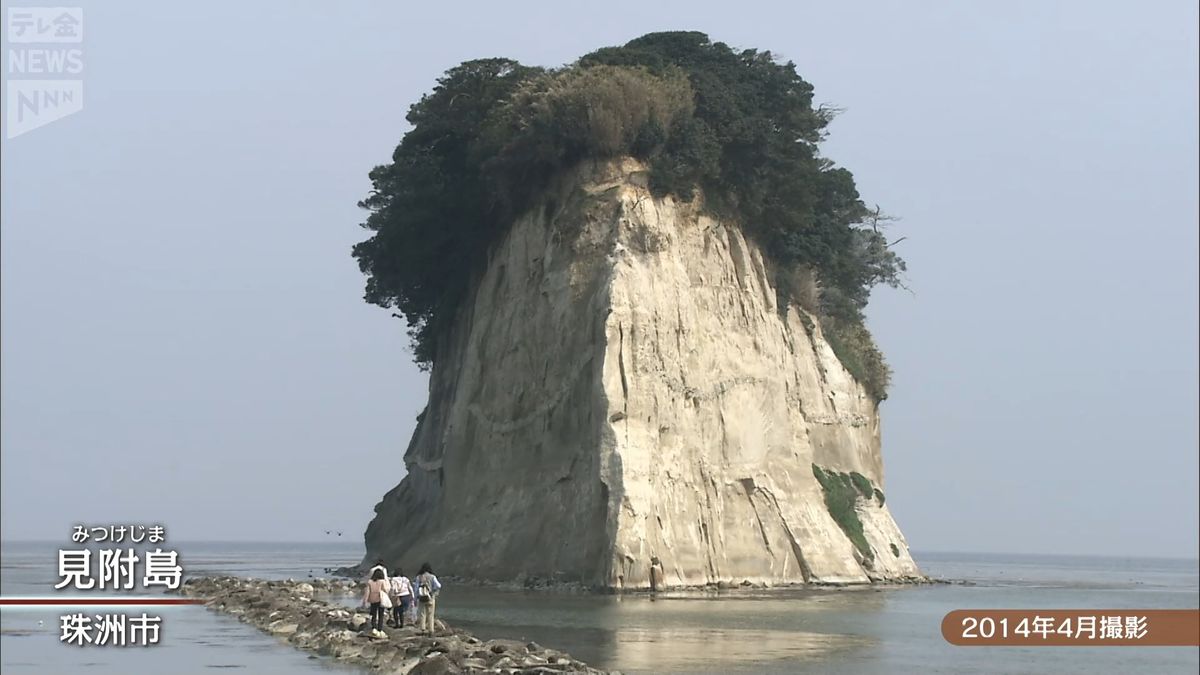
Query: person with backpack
{"points": [[428, 587], [402, 597]]}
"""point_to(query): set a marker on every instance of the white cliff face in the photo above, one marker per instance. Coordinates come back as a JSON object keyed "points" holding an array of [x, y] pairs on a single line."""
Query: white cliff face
{"points": [[625, 387]]}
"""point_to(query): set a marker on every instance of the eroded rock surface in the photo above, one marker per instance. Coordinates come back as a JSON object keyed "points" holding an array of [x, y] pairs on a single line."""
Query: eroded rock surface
{"points": [[625, 390], [288, 610]]}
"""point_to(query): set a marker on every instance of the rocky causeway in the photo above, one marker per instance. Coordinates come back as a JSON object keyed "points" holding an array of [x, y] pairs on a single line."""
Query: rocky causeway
{"points": [[310, 616]]}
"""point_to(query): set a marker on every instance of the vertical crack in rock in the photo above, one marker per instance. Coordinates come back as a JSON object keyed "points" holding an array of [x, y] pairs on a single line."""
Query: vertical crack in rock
{"points": [[621, 364], [738, 255], [815, 340], [680, 353], [748, 486], [706, 516], [764, 281], [805, 571]]}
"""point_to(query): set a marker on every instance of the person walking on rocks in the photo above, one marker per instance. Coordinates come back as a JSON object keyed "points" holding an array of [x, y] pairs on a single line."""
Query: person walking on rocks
{"points": [[373, 597], [379, 565], [415, 608], [428, 587], [402, 597]]}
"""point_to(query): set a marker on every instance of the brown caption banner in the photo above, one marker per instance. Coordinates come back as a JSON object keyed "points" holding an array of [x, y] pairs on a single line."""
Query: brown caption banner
{"points": [[1073, 627]]}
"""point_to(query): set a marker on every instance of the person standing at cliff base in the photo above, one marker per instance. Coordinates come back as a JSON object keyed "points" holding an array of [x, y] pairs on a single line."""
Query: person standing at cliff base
{"points": [[428, 587], [373, 598], [379, 565], [656, 574], [415, 608], [402, 596]]}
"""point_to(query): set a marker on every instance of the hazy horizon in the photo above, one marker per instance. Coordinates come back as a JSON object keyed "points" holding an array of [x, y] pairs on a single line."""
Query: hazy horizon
{"points": [[184, 341], [917, 552]]}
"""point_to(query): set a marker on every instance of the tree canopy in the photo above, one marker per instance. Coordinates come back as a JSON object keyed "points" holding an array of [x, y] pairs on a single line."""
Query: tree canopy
{"points": [[739, 126]]}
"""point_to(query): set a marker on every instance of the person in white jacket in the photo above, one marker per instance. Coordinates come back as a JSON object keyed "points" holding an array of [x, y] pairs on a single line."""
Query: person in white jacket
{"points": [[379, 565], [402, 597]]}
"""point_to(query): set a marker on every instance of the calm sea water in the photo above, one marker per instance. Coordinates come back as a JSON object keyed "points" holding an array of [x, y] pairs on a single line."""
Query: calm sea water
{"points": [[786, 631]]}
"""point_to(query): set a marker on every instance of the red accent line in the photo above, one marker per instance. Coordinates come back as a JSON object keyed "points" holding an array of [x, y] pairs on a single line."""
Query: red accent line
{"points": [[69, 602]]}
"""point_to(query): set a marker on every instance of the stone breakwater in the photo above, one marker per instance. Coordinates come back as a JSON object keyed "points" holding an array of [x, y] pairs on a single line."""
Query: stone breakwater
{"points": [[302, 614]]}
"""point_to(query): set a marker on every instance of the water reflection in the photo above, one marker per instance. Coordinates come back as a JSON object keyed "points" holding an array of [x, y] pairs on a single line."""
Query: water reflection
{"points": [[680, 632], [643, 649]]}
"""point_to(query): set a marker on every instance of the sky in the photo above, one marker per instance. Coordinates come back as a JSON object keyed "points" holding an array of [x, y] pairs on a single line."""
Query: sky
{"points": [[184, 341]]}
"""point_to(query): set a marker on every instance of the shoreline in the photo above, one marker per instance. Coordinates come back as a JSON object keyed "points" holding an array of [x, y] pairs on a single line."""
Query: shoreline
{"points": [[554, 586], [299, 614], [549, 586]]}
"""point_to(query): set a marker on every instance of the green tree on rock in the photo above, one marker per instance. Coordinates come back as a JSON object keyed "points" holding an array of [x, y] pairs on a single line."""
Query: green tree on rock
{"points": [[739, 126]]}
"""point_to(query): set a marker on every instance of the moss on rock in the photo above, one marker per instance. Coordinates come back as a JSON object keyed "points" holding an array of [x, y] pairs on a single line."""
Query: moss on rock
{"points": [[841, 496]]}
